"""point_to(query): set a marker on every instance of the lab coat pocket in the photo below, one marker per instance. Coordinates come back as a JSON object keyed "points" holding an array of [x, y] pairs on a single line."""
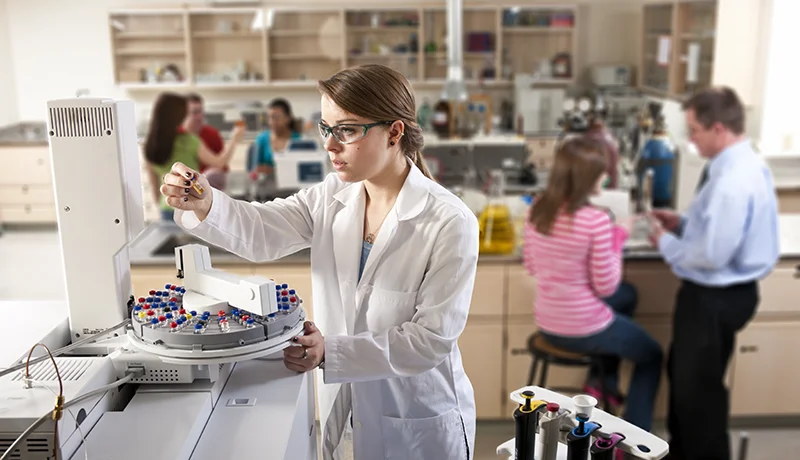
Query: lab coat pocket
{"points": [[388, 309], [438, 437]]}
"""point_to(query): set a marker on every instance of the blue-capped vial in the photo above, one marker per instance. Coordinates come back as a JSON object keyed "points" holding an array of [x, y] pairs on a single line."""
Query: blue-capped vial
{"points": [[150, 300], [284, 286], [250, 323], [193, 312], [292, 292], [167, 286], [180, 322], [270, 317], [278, 287], [169, 316], [198, 328], [154, 323], [163, 304], [137, 308]]}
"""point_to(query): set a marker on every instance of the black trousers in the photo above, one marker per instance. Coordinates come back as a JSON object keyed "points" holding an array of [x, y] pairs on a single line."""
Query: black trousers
{"points": [[704, 330]]}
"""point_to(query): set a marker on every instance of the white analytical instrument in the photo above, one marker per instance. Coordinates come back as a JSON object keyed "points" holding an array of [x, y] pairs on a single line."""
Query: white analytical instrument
{"points": [[205, 354], [303, 164], [599, 427]]}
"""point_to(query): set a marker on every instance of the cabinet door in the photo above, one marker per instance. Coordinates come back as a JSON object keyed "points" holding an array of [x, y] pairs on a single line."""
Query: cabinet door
{"points": [[765, 371], [481, 346], [26, 194], [145, 279], [28, 213], [662, 333], [298, 277], [488, 293], [518, 364], [521, 292], [656, 285], [780, 290], [26, 165], [789, 200]]}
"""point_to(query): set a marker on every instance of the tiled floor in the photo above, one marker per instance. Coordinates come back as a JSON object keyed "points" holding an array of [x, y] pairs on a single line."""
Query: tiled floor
{"points": [[30, 269]]}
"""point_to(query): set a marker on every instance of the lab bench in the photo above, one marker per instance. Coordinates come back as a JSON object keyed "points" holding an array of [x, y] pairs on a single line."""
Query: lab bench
{"points": [[761, 377]]}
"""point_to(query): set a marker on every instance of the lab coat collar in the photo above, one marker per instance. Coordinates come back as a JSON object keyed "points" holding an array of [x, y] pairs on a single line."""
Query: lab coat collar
{"points": [[410, 202]]}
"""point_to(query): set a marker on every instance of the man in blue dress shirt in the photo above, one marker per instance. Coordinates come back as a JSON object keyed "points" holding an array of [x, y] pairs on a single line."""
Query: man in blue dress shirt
{"points": [[720, 248]]}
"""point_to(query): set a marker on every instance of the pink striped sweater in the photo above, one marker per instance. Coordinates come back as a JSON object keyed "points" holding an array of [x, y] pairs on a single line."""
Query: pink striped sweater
{"points": [[577, 265]]}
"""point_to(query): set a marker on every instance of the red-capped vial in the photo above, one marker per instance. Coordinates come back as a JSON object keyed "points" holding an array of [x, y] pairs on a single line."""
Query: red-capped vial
{"points": [[173, 326], [224, 326], [221, 313], [173, 299], [141, 299], [146, 306], [172, 287], [151, 313], [162, 319], [182, 311], [152, 292], [284, 292]]}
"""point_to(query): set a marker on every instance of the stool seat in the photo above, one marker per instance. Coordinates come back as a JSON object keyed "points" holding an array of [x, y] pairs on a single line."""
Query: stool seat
{"points": [[547, 353], [539, 346]]}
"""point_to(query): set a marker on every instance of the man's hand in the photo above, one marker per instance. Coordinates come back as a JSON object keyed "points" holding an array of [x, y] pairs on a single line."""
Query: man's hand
{"points": [[656, 230], [310, 352], [668, 219]]}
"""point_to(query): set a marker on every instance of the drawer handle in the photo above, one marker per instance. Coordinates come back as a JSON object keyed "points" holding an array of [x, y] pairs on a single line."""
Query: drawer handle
{"points": [[748, 349], [28, 208], [24, 189]]}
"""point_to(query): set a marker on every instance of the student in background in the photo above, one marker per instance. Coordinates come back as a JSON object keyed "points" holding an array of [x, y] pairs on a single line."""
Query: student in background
{"points": [[283, 127], [575, 252], [196, 124], [168, 142]]}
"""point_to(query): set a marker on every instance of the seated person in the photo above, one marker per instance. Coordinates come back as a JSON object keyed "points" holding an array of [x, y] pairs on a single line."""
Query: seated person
{"points": [[283, 127], [167, 142], [196, 124], [575, 252]]}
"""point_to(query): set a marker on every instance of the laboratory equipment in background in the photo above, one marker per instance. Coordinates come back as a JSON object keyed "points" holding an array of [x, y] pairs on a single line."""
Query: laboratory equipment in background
{"points": [[538, 109], [304, 163], [497, 235], [189, 349], [572, 428], [576, 118], [605, 76], [658, 156]]}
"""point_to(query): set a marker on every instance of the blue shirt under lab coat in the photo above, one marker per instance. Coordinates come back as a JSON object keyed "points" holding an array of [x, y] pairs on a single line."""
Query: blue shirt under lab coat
{"points": [[729, 234], [263, 154]]}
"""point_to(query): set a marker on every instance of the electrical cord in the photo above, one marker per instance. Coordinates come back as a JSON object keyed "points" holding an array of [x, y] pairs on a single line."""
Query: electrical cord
{"points": [[58, 410], [65, 349], [74, 418], [43, 418]]}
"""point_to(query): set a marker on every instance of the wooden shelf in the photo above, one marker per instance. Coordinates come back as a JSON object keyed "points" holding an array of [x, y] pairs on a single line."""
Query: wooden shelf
{"points": [[211, 45], [678, 25]]}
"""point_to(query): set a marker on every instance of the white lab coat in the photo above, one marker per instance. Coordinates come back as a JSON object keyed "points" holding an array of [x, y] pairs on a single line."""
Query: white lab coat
{"points": [[391, 353]]}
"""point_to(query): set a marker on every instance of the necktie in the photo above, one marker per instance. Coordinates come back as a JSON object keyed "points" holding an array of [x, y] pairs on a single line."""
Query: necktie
{"points": [[703, 179]]}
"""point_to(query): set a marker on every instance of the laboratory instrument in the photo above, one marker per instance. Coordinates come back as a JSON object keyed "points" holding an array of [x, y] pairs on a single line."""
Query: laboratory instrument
{"points": [[595, 431], [304, 163], [658, 155], [495, 224], [204, 355]]}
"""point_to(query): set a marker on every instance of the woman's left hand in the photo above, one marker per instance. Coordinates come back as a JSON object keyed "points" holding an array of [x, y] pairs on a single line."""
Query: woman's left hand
{"points": [[309, 354]]}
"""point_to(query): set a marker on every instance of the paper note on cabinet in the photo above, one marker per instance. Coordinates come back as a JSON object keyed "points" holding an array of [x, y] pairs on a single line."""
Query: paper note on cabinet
{"points": [[662, 56]]}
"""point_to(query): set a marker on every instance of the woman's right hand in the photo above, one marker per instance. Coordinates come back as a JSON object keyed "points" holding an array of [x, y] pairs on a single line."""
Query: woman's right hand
{"points": [[180, 194]]}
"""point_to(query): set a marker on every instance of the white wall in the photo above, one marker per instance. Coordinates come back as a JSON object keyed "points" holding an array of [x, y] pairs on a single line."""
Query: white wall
{"points": [[8, 90], [780, 131], [67, 48]]}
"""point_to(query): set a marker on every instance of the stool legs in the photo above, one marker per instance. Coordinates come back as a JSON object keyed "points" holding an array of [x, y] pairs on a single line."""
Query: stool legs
{"points": [[603, 390], [534, 368]]}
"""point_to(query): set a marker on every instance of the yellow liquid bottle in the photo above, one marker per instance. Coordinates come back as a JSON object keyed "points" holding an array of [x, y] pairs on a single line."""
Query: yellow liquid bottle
{"points": [[497, 234]]}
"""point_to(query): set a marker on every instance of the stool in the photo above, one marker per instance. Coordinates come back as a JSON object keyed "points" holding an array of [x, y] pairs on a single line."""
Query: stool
{"points": [[543, 351]]}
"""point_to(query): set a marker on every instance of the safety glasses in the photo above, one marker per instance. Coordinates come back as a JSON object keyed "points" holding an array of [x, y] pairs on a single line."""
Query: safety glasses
{"points": [[348, 133]]}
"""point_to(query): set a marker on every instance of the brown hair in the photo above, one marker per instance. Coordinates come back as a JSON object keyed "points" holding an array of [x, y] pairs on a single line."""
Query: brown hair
{"points": [[194, 97], [379, 93], [169, 112], [579, 163], [282, 104], [717, 105]]}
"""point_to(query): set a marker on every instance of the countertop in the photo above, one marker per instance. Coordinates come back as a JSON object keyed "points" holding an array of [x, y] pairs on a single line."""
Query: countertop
{"points": [[157, 234]]}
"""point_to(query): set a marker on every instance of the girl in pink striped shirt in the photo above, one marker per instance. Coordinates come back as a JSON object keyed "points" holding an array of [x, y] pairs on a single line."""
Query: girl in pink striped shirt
{"points": [[574, 250]]}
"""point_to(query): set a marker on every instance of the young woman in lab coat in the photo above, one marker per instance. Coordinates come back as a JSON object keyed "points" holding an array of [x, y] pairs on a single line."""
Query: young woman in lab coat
{"points": [[393, 261]]}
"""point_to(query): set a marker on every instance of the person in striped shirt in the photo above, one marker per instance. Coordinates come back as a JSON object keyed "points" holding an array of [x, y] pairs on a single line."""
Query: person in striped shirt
{"points": [[574, 250]]}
